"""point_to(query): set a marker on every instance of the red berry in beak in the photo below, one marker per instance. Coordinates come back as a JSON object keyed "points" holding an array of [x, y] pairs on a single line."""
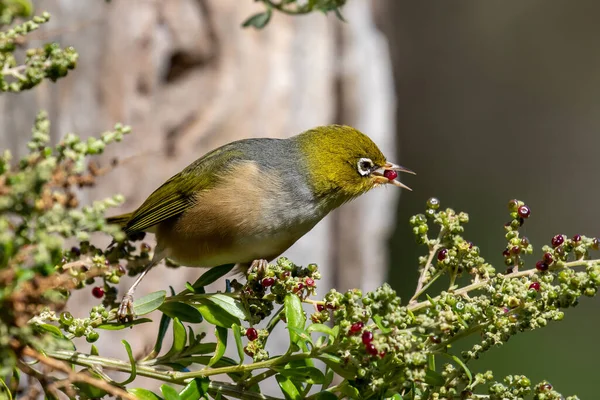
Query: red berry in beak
{"points": [[390, 174]]}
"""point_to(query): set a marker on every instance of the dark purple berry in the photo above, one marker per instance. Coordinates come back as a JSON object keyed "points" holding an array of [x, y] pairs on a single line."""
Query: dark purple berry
{"points": [[356, 327], [541, 266], [515, 250], [506, 253], [435, 339], [545, 387], [248, 352], [535, 286], [557, 240], [442, 254], [524, 211], [76, 251], [595, 244], [367, 337], [371, 349], [98, 292], [547, 258], [320, 307], [576, 238], [381, 354], [268, 282], [251, 334], [309, 282], [524, 241]]}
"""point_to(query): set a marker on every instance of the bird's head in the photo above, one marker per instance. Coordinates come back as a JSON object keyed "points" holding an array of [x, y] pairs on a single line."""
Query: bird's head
{"points": [[342, 163]]}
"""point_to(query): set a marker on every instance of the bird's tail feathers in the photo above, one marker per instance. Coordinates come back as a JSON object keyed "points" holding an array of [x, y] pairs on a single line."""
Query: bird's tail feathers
{"points": [[120, 220]]}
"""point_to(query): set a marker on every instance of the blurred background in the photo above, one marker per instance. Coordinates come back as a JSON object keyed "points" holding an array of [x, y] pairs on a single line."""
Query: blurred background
{"points": [[485, 100]]}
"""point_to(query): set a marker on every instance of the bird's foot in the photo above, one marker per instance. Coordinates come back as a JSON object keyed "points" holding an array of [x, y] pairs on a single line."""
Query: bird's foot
{"points": [[259, 265], [125, 312]]}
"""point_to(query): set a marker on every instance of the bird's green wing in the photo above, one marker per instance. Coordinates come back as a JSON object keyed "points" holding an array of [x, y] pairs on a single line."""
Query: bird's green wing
{"points": [[179, 193]]}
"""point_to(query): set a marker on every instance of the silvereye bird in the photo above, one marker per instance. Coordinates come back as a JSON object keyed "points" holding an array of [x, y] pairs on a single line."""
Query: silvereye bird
{"points": [[248, 201]]}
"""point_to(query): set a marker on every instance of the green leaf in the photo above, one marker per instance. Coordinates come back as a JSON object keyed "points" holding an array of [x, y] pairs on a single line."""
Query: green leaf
{"points": [[434, 378], [294, 315], [221, 334], [131, 362], [89, 391], [53, 330], [326, 396], [378, 320], [302, 334], [396, 396], [4, 390], [304, 374], [462, 365], [215, 315], [169, 392], [258, 21], [290, 391], [116, 326], [149, 303], [189, 287], [184, 312], [212, 275], [143, 394], [350, 391], [195, 389], [201, 348], [179, 339], [329, 374], [165, 320], [337, 365], [229, 304], [237, 334], [322, 328]]}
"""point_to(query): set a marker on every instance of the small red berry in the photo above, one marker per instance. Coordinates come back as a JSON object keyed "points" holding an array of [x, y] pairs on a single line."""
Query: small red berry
{"points": [[299, 287], [524, 211], [320, 307], [284, 274], [541, 266], [367, 337], [330, 306], [470, 245], [435, 339], [268, 282], [547, 258], [98, 292], [442, 254], [390, 174], [535, 286], [371, 349], [251, 334], [515, 250], [595, 244], [545, 386], [356, 327], [309, 282], [576, 238], [524, 241], [381, 354], [557, 240], [506, 253], [248, 352]]}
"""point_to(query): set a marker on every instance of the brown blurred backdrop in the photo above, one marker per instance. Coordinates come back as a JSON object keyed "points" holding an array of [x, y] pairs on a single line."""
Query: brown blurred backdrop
{"points": [[486, 100]]}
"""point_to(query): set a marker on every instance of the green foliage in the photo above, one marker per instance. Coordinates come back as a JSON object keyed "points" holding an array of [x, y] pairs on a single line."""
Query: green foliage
{"points": [[372, 345], [293, 7], [47, 62]]}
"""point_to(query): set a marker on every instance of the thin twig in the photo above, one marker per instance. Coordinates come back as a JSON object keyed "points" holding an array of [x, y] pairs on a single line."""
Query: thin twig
{"points": [[432, 252], [77, 376]]}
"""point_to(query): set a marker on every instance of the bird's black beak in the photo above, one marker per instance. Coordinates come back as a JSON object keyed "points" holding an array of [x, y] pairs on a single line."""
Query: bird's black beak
{"points": [[382, 177]]}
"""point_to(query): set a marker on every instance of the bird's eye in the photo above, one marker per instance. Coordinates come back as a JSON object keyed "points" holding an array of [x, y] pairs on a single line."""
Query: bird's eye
{"points": [[365, 165]]}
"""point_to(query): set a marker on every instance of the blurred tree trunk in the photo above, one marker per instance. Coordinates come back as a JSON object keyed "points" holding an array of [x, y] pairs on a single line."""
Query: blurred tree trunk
{"points": [[188, 78]]}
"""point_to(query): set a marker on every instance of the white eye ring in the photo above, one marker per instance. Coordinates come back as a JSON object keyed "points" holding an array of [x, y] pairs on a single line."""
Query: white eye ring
{"points": [[364, 166]]}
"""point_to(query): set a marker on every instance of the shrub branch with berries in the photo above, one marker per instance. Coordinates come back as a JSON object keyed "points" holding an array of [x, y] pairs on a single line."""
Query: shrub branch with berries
{"points": [[350, 345]]}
